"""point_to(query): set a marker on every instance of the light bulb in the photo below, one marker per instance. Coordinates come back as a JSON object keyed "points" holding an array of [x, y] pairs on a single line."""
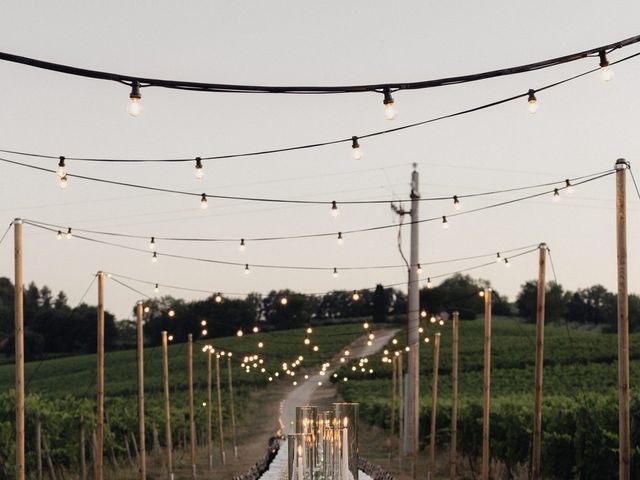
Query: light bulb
{"points": [[532, 101], [445, 224], [432, 319], [62, 170], [457, 204], [481, 293], [170, 338], [152, 243], [334, 209], [423, 314], [506, 263], [365, 325], [239, 333], [147, 309], [242, 246], [171, 312], [135, 106], [154, 257], [69, 234], [568, 186], [419, 269], [316, 348], [63, 182], [307, 341], [204, 333], [389, 110], [255, 329], [309, 330], [218, 298], [355, 146], [335, 273], [441, 322], [260, 344], [59, 235], [429, 284], [284, 301], [340, 239], [498, 257], [203, 323], [199, 170], [605, 70], [156, 288], [246, 269], [355, 296], [556, 195], [203, 201], [426, 339]]}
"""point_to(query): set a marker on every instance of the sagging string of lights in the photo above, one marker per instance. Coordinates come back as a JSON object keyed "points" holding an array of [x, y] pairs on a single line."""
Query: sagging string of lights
{"points": [[530, 95]]}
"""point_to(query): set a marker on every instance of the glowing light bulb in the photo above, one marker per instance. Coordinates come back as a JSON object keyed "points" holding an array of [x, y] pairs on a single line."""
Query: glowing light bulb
{"points": [[457, 204], [506, 263], [147, 309], [242, 246], [171, 312], [152, 243], [432, 319], [69, 234], [156, 288], [426, 339], [419, 269], [218, 298], [445, 224], [429, 284], [556, 195], [199, 173], [441, 322], [284, 301], [260, 344], [204, 333], [307, 341], [309, 330], [135, 106], [203, 201], [340, 240], [246, 269], [532, 101], [423, 314], [481, 293], [568, 186], [355, 296], [420, 330], [255, 329], [389, 109], [334, 209], [605, 70], [356, 150], [63, 182], [365, 325], [62, 169], [203, 323], [316, 348], [154, 257], [170, 338], [59, 235], [335, 273], [498, 257]]}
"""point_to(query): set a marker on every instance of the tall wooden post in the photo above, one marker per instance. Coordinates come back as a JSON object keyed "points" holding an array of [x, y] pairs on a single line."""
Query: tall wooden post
{"points": [[453, 459], [209, 445], [220, 429], [434, 405], [394, 386], [167, 406], [38, 448], [233, 410], [537, 408], [624, 434], [19, 341], [83, 464], [400, 374], [143, 454], [486, 384], [100, 382], [192, 420]]}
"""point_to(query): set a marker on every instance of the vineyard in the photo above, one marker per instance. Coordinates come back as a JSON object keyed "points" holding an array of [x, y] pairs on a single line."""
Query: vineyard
{"points": [[61, 393], [580, 416]]}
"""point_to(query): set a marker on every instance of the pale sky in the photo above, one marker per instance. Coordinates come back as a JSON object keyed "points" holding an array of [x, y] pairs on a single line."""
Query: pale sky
{"points": [[580, 128]]}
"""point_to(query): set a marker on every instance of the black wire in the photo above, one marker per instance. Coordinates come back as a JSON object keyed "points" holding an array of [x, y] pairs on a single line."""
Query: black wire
{"points": [[231, 88], [632, 178], [323, 143], [6, 232]]}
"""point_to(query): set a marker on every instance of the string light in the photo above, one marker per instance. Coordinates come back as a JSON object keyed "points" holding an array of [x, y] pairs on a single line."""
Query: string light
{"points": [[334, 209], [432, 319], [420, 330], [246, 269], [62, 169], [242, 246], [355, 296], [457, 204], [59, 235], [218, 298], [154, 257], [171, 312], [152, 243], [419, 269], [506, 263], [556, 195], [135, 106], [260, 344], [568, 186], [199, 173], [203, 323], [498, 258], [204, 333], [605, 71], [335, 272], [156, 288], [69, 234], [389, 110], [356, 150], [426, 339], [445, 224], [309, 330], [340, 239], [481, 293], [316, 348], [441, 322], [307, 341], [429, 284], [203, 201], [284, 301], [147, 309], [170, 338], [365, 325], [63, 182], [255, 329], [423, 314], [532, 101]]}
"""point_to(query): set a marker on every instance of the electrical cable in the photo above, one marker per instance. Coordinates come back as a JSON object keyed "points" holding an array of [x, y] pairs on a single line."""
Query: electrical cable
{"points": [[6, 232], [632, 178]]}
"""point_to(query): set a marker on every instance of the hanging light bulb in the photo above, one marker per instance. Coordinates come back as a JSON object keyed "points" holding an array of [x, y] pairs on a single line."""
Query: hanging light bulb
{"points": [[340, 239], [63, 182], [156, 288], [423, 314], [365, 325], [62, 169], [334, 209], [147, 309], [199, 170], [239, 333], [242, 246], [307, 341], [556, 195], [284, 301], [69, 234], [457, 204], [355, 296], [203, 201], [481, 293], [429, 284], [389, 110], [154, 257], [355, 146], [419, 269], [445, 224], [532, 101], [568, 186], [498, 257], [135, 107], [255, 329], [59, 235], [171, 312], [152, 243], [218, 298], [246, 269], [605, 71], [335, 273], [506, 263]]}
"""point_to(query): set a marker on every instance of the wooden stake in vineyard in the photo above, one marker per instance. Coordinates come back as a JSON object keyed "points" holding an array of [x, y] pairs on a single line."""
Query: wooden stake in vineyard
{"points": [[233, 413], [486, 384], [19, 341], [434, 403], [453, 460], [537, 409], [624, 432], [222, 454], [100, 382], [192, 421], [167, 406], [143, 454]]}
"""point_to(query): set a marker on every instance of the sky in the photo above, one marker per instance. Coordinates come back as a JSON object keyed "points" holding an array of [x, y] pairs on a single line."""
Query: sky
{"points": [[580, 128]]}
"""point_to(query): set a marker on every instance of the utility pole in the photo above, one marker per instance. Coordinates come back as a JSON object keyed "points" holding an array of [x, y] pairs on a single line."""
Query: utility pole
{"points": [[537, 409], [19, 338], [486, 384]]}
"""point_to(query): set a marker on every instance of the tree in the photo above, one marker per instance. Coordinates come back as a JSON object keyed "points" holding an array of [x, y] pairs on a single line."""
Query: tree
{"points": [[61, 300], [380, 304], [555, 301], [593, 305]]}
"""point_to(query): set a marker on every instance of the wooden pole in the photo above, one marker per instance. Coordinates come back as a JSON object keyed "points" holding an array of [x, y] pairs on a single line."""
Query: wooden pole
{"points": [[233, 411], [453, 460], [192, 421], [167, 405], [400, 374], [624, 433], [537, 408], [394, 386], [486, 384], [100, 382], [222, 454], [38, 448], [143, 450], [434, 404], [209, 443], [19, 341], [83, 464]]}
